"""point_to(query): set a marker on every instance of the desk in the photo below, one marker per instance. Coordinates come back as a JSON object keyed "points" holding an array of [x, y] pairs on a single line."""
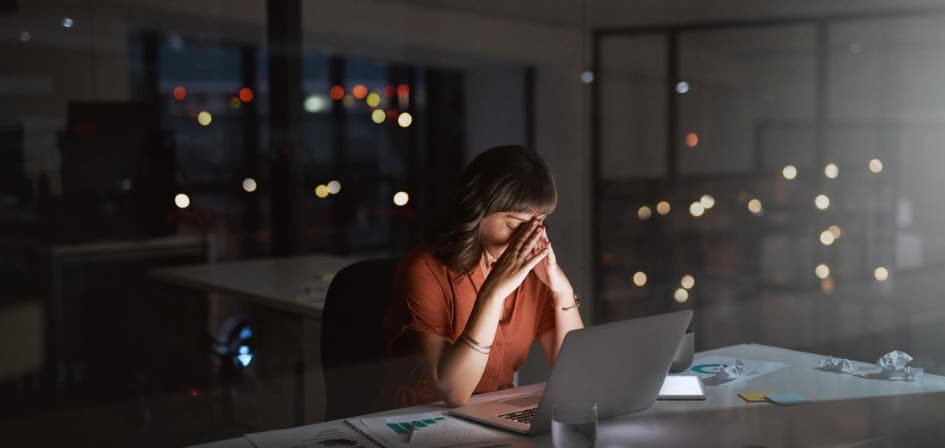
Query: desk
{"points": [[849, 410], [293, 284], [295, 287], [67, 272]]}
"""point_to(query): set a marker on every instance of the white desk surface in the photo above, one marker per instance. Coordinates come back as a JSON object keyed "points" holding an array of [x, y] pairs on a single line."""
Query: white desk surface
{"points": [[294, 284], [848, 411]]}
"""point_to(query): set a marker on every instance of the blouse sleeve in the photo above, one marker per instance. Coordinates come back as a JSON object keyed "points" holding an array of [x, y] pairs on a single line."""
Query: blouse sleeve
{"points": [[420, 302]]}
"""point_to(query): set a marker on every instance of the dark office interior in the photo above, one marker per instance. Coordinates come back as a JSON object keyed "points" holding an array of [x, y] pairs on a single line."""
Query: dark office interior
{"points": [[182, 184]]}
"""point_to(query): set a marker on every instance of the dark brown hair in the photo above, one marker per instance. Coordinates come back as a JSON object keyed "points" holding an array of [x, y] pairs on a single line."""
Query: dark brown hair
{"points": [[503, 179]]}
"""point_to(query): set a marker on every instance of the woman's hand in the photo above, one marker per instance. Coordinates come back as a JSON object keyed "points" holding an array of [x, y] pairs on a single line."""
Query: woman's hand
{"points": [[516, 262], [549, 271]]}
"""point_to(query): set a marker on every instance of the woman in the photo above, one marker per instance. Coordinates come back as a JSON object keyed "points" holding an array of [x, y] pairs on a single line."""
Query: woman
{"points": [[469, 303]]}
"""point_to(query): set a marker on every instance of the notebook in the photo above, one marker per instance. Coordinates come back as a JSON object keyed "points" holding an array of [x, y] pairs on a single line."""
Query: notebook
{"points": [[682, 387], [430, 429]]}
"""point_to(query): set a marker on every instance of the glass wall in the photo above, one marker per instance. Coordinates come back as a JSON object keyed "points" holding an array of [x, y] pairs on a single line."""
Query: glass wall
{"points": [[779, 179], [180, 181]]}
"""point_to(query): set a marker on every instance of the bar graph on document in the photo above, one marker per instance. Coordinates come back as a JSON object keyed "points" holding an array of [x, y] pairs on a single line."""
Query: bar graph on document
{"points": [[430, 429]]}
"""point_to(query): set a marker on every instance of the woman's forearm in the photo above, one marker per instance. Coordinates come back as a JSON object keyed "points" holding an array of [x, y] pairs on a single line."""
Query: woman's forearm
{"points": [[461, 366], [565, 319]]}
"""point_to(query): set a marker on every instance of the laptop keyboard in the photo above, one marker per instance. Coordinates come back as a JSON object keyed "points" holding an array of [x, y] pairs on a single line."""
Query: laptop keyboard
{"points": [[524, 416]]}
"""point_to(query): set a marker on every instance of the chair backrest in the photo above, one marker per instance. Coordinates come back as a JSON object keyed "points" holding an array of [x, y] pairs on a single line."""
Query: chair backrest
{"points": [[352, 348]]}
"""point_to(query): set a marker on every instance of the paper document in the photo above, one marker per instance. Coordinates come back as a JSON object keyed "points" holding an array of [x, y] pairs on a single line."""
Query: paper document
{"points": [[323, 435], [431, 429], [725, 370]]}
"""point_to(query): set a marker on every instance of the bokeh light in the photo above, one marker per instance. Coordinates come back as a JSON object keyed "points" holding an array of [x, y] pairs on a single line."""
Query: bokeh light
{"points": [[334, 187], [687, 281], [404, 119], [314, 104], [707, 201], [663, 208], [246, 94], [204, 118], [822, 271], [826, 238], [401, 198], [696, 209], [876, 166], [831, 171], [249, 185], [755, 206], [789, 172], [322, 191], [881, 274], [378, 116], [682, 87], [681, 295], [692, 139], [639, 279], [822, 202], [337, 93], [181, 200], [359, 91], [836, 231], [180, 93], [403, 91], [644, 212], [373, 99]]}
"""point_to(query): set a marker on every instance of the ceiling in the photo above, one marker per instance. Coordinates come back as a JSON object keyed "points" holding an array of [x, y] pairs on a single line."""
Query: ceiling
{"points": [[626, 13]]}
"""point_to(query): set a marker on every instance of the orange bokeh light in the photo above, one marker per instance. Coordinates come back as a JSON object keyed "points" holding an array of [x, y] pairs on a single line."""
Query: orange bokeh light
{"points": [[403, 90], [246, 94], [692, 139], [337, 93], [359, 91]]}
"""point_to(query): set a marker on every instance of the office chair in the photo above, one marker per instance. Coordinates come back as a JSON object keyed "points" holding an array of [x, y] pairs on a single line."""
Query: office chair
{"points": [[354, 358]]}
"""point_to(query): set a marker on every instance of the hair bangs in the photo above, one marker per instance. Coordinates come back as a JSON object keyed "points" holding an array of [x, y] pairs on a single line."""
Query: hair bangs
{"points": [[524, 193]]}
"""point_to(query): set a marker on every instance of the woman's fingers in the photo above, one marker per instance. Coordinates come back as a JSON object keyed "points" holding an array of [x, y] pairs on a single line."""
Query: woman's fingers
{"points": [[521, 236], [534, 260], [530, 243]]}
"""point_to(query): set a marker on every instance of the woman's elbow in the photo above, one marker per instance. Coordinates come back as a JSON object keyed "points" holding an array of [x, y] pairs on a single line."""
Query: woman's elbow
{"points": [[456, 401], [453, 398]]}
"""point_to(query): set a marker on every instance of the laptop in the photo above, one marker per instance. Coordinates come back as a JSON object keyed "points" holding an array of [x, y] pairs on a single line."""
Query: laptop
{"points": [[619, 365]]}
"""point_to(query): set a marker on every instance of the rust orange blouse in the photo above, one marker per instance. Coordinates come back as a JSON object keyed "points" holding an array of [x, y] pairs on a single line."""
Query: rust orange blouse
{"points": [[430, 298]]}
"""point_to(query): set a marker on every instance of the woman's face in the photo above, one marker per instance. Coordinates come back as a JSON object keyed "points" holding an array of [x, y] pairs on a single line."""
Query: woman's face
{"points": [[496, 230]]}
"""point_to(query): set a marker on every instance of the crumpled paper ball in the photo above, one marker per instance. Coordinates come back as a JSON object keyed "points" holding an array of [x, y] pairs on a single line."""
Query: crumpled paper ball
{"points": [[832, 364], [726, 374], [895, 366]]}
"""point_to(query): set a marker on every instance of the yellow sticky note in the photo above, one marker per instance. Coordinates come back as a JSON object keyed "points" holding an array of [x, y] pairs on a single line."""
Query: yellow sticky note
{"points": [[754, 397]]}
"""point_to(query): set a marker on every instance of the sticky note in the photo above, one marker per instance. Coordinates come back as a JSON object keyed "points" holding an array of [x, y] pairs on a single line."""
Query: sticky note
{"points": [[754, 397], [787, 398]]}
